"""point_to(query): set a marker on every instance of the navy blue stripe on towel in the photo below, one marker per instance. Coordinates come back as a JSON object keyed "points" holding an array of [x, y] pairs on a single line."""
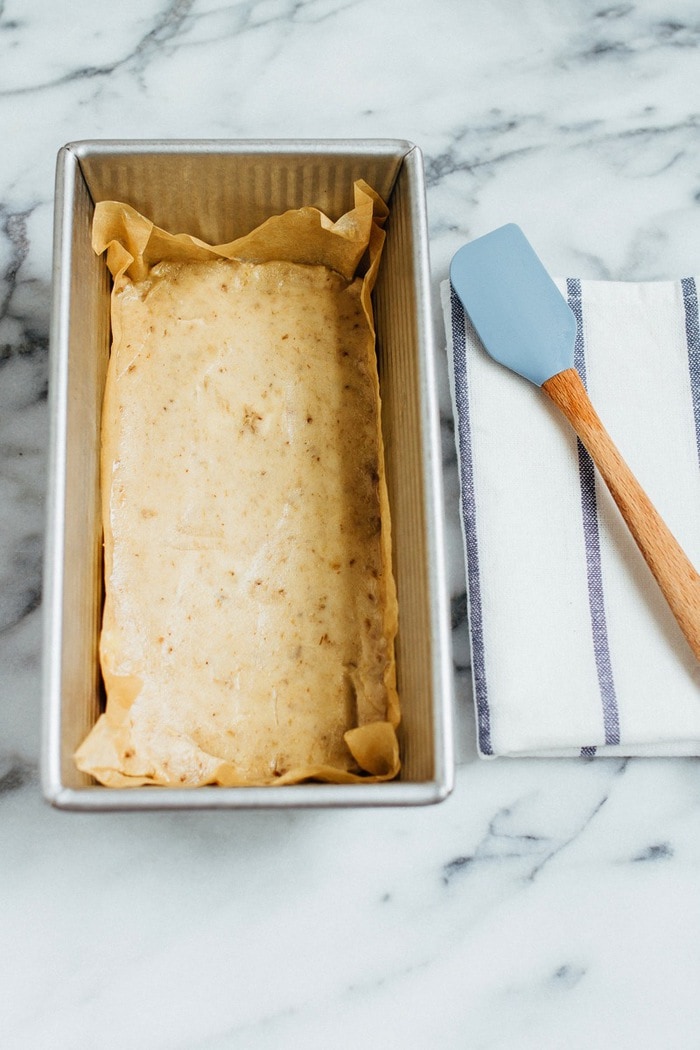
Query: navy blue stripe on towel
{"points": [[591, 536], [692, 337], [468, 510]]}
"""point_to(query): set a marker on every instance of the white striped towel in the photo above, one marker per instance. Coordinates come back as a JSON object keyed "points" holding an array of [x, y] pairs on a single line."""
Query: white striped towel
{"points": [[574, 650]]}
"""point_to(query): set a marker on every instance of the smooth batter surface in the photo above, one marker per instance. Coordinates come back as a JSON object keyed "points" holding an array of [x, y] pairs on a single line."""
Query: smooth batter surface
{"points": [[249, 614]]}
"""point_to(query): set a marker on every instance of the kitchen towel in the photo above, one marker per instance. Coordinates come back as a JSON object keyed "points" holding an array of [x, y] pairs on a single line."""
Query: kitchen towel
{"points": [[574, 650]]}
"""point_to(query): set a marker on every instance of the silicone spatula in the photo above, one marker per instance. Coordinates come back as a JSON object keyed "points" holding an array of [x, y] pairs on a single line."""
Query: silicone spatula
{"points": [[525, 323]]}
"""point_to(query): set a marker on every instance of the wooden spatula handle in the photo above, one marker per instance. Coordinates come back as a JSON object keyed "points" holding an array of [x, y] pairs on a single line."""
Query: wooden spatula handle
{"points": [[678, 580]]}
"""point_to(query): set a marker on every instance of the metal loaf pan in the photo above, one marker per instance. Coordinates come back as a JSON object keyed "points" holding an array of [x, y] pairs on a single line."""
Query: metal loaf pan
{"points": [[219, 190]]}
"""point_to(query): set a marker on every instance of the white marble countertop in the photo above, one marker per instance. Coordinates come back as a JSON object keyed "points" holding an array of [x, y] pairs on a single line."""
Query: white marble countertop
{"points": [[545, 904]]}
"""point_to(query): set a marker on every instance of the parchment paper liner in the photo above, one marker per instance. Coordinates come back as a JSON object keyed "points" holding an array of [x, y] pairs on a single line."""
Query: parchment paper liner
{"points": [[351, 246]]}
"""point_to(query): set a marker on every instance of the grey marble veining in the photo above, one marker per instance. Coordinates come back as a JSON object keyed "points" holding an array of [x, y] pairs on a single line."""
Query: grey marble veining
{"points": [[545, 904]]}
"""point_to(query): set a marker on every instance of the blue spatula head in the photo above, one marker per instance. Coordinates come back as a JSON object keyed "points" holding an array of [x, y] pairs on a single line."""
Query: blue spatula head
{"points": [[517, 310]]}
